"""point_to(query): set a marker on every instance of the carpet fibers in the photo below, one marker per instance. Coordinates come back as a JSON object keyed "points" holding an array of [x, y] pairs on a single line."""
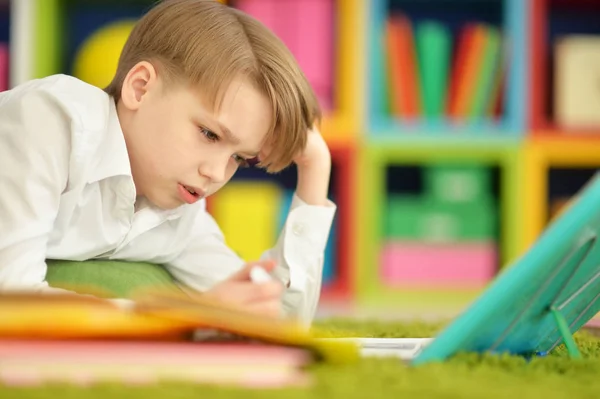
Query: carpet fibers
{"points": [[465, 376]]}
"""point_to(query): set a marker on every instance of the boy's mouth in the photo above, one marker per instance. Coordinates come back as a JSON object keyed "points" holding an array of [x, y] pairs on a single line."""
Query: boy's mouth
{"points": [[190, 194]]}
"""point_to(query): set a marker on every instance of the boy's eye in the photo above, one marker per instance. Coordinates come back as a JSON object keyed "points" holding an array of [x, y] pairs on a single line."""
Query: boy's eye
{"points": [[243, 162], [209, 135]]}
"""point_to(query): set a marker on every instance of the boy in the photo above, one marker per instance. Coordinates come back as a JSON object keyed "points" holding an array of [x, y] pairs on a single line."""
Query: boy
{"points": [[201, 89]]}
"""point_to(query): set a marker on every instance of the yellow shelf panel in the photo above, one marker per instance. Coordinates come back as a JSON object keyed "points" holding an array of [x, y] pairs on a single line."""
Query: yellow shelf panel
{"points": [[540, 156], [346, 118]]}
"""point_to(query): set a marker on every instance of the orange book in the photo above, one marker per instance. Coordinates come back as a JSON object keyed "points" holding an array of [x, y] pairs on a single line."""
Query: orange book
{"points": [[460, 53], [466, 66], [394, 65], [402, 64], [156, 315]]}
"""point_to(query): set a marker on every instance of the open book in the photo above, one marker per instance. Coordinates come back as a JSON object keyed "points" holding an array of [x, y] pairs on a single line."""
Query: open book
{"points": [[81, 339]]}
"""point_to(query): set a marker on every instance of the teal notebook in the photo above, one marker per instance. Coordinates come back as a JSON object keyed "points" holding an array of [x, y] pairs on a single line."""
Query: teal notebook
{"points": [[540, 300]]}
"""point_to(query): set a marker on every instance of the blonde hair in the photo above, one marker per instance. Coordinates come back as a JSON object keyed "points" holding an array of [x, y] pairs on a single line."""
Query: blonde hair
{"points": [[207, 44]]}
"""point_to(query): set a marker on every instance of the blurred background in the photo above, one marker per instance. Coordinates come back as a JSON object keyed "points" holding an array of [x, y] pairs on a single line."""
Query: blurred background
{"points": [[458, 128]]}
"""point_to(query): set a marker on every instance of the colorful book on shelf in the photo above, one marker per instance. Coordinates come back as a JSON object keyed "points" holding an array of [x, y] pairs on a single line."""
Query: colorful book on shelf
{"points": [[485, 80], [457, 66], [402, 68], [495, 102], [433, 47], [470, 51]]}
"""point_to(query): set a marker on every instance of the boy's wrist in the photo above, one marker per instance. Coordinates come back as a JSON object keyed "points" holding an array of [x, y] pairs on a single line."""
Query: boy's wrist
{"points": [[313, 180], [314, 169]]}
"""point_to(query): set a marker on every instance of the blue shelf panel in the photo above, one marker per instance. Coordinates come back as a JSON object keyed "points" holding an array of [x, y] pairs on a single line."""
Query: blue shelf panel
{"points": [[509, 15], [442, 138], [4, 22], [383, 126]]}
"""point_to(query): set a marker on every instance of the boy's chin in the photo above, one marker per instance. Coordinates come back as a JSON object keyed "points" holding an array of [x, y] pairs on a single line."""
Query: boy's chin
{"points": [[165, 202]]}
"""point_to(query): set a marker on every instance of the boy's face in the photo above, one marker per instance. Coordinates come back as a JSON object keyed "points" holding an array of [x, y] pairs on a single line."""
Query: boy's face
{"points": [[180, 150]]}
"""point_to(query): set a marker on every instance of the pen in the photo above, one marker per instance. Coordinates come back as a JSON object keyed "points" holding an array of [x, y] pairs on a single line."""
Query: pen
{"points": [[259, 275]]}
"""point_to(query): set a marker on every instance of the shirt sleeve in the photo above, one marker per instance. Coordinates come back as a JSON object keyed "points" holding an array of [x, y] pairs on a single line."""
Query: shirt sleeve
{"points": [[298, 252], [34, 162]]}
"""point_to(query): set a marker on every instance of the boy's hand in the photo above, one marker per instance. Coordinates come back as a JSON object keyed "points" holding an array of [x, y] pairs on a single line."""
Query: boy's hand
{"points": [[316, 150], [314, 169], [240, 291]]}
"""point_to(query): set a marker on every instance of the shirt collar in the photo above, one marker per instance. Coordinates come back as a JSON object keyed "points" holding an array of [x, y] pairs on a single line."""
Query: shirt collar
{"points": [[112, 155], [113, 160]]}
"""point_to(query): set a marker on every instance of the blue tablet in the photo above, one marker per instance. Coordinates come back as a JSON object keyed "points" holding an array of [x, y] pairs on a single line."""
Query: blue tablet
{"points": [[539, 300]]}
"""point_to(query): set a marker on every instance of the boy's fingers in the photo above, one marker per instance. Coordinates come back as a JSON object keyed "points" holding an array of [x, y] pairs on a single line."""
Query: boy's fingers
{"points": [[266, 308], [270, 289], [244, 292], [244, 273], [252, 292]]}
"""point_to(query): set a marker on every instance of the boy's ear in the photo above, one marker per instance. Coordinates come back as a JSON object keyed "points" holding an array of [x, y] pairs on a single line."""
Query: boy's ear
{"points": [[138, 81]]}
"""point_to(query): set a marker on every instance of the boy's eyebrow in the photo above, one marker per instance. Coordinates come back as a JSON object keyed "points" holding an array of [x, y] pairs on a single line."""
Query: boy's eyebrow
{"points": [[227, 133], [230, 136]]}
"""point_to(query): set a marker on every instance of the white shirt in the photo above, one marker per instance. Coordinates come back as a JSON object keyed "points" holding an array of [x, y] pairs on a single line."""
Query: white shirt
{"points": [[67, 192]]}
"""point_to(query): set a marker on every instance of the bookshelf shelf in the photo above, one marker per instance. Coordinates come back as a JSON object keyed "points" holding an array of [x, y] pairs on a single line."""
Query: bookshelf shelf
{"points": [[438, 98], [552, 21], [540, 157], [376, 158]]}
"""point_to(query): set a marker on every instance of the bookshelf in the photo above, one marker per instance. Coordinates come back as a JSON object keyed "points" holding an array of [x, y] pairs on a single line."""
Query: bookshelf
{"points": [[515, 147]]}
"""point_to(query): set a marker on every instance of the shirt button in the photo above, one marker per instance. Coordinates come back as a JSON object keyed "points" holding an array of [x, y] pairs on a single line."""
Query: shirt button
{"points": [[297, 229]]}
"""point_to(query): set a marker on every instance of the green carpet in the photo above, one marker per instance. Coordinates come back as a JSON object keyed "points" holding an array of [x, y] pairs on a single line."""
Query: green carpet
{"points": [[465, 376]]}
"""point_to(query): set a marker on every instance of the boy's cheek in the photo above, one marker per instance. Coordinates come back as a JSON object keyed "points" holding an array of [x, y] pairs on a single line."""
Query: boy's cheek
{"points": [[215, 189]]}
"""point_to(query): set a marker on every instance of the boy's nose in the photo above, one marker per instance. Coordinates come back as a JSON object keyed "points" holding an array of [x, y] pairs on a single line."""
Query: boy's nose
{"points": [[214, 170]]}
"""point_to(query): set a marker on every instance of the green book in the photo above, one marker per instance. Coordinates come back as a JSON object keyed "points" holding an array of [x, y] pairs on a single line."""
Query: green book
{"points": [[458, 183], [486, 78], [421, 219], [433, 48]]}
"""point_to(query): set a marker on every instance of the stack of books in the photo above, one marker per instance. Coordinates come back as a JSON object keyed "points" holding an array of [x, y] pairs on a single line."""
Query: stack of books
{"points": [[64, 338]]}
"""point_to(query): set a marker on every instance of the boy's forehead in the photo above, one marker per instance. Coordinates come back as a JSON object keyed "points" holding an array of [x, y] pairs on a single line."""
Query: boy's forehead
{"points": [[240, 123]]}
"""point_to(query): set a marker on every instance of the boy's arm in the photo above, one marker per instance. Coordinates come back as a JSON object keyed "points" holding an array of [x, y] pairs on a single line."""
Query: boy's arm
{"points": [[299, 251], [34, 156], [298, 254]]}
